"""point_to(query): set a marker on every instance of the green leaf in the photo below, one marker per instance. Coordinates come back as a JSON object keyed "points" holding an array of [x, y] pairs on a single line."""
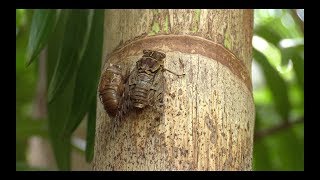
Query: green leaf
{"points": [[298, 65], [28, 127], [261, 157], [268, 34], [55, 43], [289, 52], [72, 47], [281, 150], [58, 110], [87, 75], [91, 130], [276, 84], [20, 20], [25, 77], [21, 148], [295, 53], [287, 150], [43, 23]]}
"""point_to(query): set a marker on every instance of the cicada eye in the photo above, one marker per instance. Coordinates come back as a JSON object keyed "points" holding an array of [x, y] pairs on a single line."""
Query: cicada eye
{"points": [[162, 56], [159, 56], [117, 67], [145, 51]]}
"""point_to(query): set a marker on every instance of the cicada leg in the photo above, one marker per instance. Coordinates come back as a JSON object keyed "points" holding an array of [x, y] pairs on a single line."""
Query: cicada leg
{"points": [[155, 97], [179, 75]]}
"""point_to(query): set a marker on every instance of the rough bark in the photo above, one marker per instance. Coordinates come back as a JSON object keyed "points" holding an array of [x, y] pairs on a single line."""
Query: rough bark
{"points": [[208, 118]]}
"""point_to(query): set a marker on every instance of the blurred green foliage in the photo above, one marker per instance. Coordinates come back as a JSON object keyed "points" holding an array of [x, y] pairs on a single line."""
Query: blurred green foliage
{"points": [[279, 92], [73, 44], [278, 79], [25, 89]]}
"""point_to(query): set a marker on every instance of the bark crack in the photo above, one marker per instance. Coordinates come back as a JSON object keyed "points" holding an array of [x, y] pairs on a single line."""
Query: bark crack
{"points": [[197, 117]]}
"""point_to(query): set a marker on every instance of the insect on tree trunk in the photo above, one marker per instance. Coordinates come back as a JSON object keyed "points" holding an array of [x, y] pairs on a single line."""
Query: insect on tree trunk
{"points": [[207, 120]]}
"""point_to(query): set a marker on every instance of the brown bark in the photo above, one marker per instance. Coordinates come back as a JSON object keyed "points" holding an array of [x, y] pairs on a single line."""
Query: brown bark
{"points": [[208, 118]]}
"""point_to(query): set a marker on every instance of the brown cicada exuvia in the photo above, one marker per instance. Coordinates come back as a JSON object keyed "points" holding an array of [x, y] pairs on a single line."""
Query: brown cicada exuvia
{"points": [[111, 89]]}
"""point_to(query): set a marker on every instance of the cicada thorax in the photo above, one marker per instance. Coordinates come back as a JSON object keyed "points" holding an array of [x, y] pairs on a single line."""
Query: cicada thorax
{"points": [[111, 89], [142, 80]]}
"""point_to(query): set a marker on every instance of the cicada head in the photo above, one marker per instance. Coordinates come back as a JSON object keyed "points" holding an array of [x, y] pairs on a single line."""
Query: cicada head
{"points": [[151, 61]]}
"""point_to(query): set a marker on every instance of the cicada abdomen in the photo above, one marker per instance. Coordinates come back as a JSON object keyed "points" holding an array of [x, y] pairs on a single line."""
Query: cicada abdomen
{"points": [[146, 79]]}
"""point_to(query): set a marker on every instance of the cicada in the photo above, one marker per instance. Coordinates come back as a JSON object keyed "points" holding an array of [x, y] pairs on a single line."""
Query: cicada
{"points": [[146, 81], [142, 87]]}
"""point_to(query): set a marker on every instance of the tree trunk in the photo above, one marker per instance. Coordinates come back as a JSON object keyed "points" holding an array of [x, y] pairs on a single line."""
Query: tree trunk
{"points": [[208, 118]]}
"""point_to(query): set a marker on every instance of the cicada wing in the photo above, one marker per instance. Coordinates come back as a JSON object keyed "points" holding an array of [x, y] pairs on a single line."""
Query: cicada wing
{"points": [[133, 76], [156, 92], [125, 101]]}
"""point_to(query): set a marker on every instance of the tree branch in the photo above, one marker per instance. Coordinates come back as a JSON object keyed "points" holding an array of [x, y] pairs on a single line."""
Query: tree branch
{"points": [[278, 128]]}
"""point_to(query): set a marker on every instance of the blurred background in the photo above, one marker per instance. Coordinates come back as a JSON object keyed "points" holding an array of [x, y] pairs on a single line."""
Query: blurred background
{"points": [[278, 88]]}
